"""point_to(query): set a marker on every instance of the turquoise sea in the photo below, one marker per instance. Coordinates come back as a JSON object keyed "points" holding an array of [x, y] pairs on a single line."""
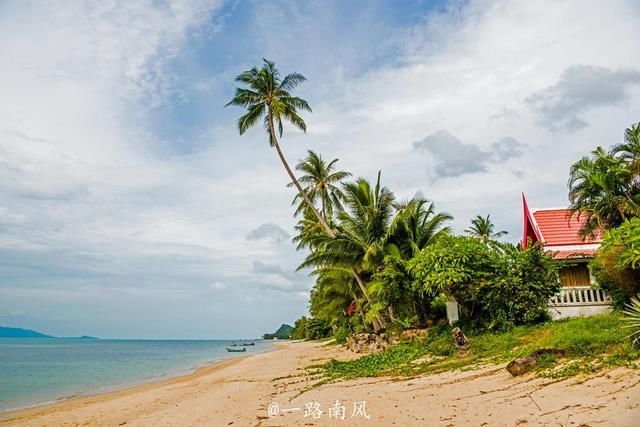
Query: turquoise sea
{"points": [[34, 371]]}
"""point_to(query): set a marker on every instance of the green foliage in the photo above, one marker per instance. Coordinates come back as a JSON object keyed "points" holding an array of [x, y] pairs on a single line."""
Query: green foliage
{"points": [[605, 187], [482, 228], [616, 265], [392, 286], [591, 343], [392, 360], [266, 96], [317, 329], [632, 316], [299, 331], [627, 238], [321, 182], [599, 189], [495, 285], [341, 334]]}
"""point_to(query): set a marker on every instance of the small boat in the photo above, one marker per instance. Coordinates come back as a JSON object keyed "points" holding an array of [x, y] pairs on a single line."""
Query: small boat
{"points": [[236, 349], [248, 344]]}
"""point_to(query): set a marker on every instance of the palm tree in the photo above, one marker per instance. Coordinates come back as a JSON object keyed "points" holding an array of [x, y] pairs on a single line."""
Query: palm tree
{"points": [[334, 290], [322, 182], [267, 97], [416, 225], [361, 236], [482, 228], [601, 189], [629, 151]]}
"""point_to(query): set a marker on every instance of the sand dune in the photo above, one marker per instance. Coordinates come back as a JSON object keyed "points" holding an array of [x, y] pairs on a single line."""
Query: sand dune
{"points": [[244, 391]]}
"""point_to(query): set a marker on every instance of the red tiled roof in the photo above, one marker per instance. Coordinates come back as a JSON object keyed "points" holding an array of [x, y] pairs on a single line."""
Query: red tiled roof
{"points": [[559, 227], [574, 254]]}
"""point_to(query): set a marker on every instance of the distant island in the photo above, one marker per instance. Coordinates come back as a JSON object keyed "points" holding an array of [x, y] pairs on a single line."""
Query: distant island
{"points": [[283, 333], [7, 332]]}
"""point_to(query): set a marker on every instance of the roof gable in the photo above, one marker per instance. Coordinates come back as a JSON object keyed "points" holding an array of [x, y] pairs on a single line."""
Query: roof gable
{"points": [[560, 227]]}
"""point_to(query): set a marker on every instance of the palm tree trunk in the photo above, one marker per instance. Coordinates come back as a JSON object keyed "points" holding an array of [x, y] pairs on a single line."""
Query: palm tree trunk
{"points": [[392, 315], [379, 322], [311, 206], [304, 195]]}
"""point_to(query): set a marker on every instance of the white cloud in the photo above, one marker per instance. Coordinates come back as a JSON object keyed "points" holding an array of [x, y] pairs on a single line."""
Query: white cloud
{"points": [[97, 208]]}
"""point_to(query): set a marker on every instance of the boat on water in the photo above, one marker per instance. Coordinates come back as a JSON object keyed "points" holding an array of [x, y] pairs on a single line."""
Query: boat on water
{"points": [[230, 349], [248, 344]]}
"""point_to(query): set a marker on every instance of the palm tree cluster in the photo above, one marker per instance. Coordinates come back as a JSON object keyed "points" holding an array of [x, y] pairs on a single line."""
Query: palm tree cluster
{"points": [[353, 230], [370, 228], [604, 188]]}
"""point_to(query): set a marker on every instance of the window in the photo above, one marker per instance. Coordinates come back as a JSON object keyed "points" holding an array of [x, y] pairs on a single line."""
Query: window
{"points": [[575, 275]]}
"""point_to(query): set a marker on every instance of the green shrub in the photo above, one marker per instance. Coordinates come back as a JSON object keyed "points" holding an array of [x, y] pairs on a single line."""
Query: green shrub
{"points": [[341, 334], [496, 286], [616, 266]]}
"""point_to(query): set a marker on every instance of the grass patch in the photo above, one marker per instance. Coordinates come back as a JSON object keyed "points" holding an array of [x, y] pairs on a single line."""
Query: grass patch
{"points": [[591, 344]]}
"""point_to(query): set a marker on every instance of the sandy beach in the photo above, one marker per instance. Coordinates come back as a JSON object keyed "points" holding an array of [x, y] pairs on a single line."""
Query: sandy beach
{"points": [[244, 391]]}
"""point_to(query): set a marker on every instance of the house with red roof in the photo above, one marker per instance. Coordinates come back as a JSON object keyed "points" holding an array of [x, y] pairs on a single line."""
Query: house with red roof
{"points": [[558, 230]]}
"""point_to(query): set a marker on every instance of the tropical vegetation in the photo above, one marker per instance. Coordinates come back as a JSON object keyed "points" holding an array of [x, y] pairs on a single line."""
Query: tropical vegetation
{"points": [[381, 263], [632, 313], [589, 344], [483, 228], [604, 191]]}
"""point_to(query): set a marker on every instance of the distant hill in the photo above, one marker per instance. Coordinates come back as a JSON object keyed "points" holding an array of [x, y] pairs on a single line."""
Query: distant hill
{"points": [[283, 333], [6, 332]]}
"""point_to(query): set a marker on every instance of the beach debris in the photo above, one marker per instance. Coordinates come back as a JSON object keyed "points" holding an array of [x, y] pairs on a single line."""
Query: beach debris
{"points": [[459, 338], [524, 364], [367, 343]]}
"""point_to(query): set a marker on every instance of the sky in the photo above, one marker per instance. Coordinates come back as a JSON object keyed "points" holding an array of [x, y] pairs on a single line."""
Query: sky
{"points": [[131, 208]]}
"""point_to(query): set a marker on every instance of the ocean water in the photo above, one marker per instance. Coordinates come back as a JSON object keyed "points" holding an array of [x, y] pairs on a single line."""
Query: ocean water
{"points": [[34, 371]]}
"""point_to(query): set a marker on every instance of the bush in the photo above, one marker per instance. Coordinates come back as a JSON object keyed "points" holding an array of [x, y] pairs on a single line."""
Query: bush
{"points": [[341, 334], [616, 266], [496, 286]]}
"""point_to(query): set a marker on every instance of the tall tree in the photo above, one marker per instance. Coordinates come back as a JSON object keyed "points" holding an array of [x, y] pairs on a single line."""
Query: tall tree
{"points": [[482, 228], [601, 189], [321, 182], [267, 97]]}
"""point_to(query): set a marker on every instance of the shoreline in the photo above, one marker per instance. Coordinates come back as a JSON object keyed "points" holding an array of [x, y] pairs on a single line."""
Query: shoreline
{"points": [[151, 380], [101, 395], [242, 391]]}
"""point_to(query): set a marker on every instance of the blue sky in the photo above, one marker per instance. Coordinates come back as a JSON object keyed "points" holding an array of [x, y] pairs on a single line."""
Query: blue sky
{"points": [[130, 207]]}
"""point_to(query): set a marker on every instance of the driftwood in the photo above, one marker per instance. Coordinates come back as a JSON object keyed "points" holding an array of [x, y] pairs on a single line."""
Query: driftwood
{"points": [[524, 364], [459, 338]]}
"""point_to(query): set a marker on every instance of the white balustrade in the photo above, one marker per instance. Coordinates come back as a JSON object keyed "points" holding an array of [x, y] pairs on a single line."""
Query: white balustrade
{"points": [[580, 295]]}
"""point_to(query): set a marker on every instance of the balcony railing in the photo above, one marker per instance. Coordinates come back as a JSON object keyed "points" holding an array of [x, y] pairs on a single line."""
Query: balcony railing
{"points": [[580, 295]]}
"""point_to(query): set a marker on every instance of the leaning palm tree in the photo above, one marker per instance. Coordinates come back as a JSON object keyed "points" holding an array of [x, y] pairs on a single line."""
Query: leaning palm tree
{"points": [[482, 228], [321, 183], [267, 97]]}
